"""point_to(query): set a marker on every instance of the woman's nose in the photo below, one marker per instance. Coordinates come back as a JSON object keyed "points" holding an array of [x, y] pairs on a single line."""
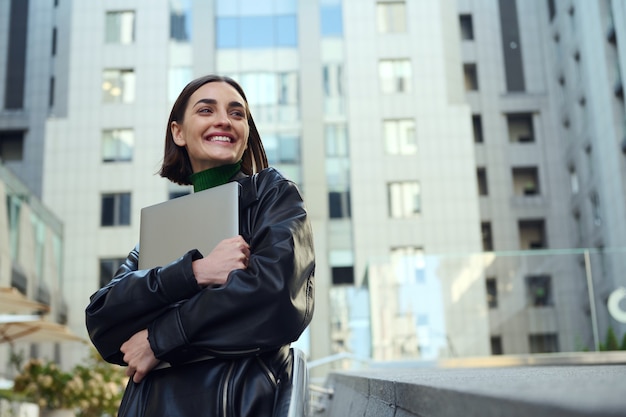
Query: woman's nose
{"points": [[223, 119]]}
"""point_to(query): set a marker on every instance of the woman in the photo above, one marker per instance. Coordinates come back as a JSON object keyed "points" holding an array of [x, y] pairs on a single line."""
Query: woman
{"points": [[209, 334]]}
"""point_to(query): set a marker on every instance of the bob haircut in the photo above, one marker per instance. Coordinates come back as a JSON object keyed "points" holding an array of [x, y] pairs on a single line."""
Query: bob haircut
{"points": [[176, 165]]}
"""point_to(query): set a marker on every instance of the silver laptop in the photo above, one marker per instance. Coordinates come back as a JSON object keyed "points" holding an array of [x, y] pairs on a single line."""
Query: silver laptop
{"points": [[199, 220]]}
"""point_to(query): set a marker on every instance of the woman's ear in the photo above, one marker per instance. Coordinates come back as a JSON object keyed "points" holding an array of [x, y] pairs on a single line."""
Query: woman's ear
{"points": [[177, 134]]}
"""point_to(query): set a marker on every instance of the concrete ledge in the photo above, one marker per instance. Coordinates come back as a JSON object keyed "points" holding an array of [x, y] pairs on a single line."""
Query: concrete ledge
{"points": [[537, 391]]}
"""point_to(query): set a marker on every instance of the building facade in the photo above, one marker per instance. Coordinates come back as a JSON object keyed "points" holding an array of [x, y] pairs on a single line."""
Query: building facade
{"points": [[454, 148]]}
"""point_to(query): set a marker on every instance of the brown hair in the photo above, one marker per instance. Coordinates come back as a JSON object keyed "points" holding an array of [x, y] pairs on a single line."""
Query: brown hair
{"points": [[176, 166]]}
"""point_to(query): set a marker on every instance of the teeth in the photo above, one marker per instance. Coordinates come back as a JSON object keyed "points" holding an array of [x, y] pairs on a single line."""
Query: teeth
{"points": [[220, 139]]}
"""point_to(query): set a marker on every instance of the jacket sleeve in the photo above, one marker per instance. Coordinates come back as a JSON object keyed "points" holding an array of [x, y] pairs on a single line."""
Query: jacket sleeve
{"points": [[134, 298], [265, 306]]}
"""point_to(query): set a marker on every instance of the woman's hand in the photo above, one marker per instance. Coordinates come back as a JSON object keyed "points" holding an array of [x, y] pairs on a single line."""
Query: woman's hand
{"points": [[228, 255], [139, 356]]}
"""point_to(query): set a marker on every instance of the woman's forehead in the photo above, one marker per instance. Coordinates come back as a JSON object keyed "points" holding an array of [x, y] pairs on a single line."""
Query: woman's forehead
{"points": [[219, 91]]}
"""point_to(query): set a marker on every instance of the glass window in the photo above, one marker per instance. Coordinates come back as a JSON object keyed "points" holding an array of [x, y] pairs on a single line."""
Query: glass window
{"points": [[520, 126], [255, 7], [14, 206], [118, 86], [395, 75], [409, 264], [120, 27], [543, 343], [11, 145], [400, 137], [539, 290], [117, 145], [115, 209], [492, 292], [467, 27], [481, 176], [404, 199], [525, 181], [331, 20], [286, 30], [180, 20], [257, 31], [336, 140], [471, 77], [391, 17], [227, 33], [477, 126], [178, 79], [108, 268], [485, 229]]}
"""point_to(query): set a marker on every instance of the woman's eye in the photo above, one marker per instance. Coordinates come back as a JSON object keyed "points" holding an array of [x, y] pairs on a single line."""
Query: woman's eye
{"points": [[204, 110]]}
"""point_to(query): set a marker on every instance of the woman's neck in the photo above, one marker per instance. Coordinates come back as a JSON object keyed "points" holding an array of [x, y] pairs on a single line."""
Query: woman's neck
{"points": [[213, 177]]}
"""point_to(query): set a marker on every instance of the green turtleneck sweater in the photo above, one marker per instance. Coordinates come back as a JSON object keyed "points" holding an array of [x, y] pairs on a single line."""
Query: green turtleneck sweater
{"points": [[213, 177]]}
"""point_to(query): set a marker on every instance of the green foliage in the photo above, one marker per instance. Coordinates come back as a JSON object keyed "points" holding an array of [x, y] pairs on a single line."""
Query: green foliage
{"points": [[91, 389], [611, 340], [623, 344]]}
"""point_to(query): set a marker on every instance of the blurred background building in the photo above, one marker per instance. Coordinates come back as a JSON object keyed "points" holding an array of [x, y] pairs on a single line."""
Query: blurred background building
{"points": [[463, 162]]}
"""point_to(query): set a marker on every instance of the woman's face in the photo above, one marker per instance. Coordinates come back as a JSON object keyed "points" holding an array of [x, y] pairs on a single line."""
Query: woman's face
{"points": [[215, 128]]}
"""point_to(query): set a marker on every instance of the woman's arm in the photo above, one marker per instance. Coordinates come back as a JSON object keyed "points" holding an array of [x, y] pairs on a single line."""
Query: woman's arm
{"points": [[134, 298], [262, 307]]}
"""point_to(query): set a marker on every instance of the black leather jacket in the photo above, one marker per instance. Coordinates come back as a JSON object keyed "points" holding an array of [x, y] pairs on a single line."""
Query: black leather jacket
{"points": [[246, 325]]}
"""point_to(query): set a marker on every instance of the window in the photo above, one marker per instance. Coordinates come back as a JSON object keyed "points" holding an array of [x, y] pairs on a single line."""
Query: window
{"points": [[51, 93], [108, 268], [532, 234], [539, 290], [391, 16], [395, 76], [485, 229], [331, 19], [117, 145], [477, 125], [14, 209], [180, 21], [343, 275], [404, 199], [526, 181], [115, 210], [467, 27], [520, 126], [481, 175], [551, 9], [573, 179], [118, 86], [332, 75], [409, 264], [492, 292], [120, 27], [471, 77], [543, 343], [54, 41], [11, 145], [339, 204], [399, 137], [594, 199], [342, 266], [272, 96], [496, 345], [254, 32], [338, 171], [282, 148]]}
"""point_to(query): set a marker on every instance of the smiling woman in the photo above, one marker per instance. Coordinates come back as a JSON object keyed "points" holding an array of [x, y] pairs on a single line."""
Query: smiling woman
{"points": [[209, 334]]}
